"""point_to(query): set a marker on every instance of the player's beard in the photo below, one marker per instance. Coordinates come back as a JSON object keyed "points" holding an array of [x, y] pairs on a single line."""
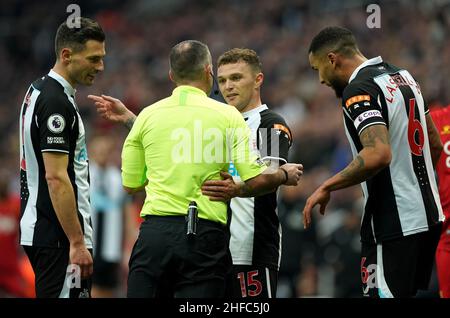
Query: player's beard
{"points": [[338, 85]]}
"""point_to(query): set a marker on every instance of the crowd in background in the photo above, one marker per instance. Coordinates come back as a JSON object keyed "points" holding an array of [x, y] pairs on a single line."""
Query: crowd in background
{"points": [[322, 261]]}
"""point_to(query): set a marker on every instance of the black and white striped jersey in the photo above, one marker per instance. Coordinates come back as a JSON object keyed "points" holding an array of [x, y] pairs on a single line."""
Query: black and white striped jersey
{"points": [[402, 199], [254, 225], [107, 201], [50, 122]]}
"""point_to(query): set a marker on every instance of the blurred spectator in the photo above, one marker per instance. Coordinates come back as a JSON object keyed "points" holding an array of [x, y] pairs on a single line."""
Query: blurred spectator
{"points": [[15, 278], [108, 206]]}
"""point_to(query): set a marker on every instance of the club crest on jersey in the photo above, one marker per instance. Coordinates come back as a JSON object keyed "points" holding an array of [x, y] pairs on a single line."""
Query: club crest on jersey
{"points": [[56, 123]]}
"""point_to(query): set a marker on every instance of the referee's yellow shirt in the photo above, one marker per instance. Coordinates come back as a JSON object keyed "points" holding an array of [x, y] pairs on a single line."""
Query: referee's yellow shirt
{"points": [[180, 142]]}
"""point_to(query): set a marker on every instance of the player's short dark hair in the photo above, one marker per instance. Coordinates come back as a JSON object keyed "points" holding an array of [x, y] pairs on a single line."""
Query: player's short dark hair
{"points": [[334, 39], [76, 37], [188, 60], [236, 55]]}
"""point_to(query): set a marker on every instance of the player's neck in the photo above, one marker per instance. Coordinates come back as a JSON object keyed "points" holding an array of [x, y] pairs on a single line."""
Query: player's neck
{"points": [[353, 64], [61, 70], [254, 103]]}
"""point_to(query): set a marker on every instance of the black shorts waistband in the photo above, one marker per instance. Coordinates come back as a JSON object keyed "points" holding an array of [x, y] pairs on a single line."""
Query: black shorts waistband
{"points": [[181, 219]]}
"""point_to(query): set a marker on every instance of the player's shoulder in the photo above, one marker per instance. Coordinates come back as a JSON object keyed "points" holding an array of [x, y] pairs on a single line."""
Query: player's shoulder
{"points": [[147, 110], [361, 83], [270, 118], [49, 87], [364, 80], [52, 95], [359, 89]]}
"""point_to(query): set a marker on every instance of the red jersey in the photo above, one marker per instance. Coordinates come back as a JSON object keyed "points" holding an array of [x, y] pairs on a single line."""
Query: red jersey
{"points": [[441, 118], [10, 274]]}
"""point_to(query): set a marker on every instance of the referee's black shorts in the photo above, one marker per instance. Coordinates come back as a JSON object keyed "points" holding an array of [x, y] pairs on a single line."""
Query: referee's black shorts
{"points": [[399, 267], [53, 276], [166, 263]]}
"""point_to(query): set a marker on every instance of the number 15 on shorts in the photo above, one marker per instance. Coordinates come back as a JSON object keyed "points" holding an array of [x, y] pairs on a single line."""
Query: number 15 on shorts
{"points": [[250, 285]]}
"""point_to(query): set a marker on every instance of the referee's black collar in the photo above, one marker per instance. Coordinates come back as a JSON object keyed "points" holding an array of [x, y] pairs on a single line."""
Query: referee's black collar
{"points": [[64, 83]]}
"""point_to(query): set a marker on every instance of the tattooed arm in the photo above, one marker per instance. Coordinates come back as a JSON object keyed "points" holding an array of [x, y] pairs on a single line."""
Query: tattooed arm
{"points": [[375, 155]]}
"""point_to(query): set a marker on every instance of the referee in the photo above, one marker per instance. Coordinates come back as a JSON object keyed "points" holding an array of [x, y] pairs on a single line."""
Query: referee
{"points": [[173, 147], [55, 224]]}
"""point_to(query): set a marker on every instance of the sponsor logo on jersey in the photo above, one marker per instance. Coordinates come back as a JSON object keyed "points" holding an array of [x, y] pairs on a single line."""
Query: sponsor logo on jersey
{"points": [[55, 140], [366, 115], [356, 99]]}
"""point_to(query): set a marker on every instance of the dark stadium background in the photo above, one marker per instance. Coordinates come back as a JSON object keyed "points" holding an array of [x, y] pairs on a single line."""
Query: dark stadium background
{"points": [[323, 261]]}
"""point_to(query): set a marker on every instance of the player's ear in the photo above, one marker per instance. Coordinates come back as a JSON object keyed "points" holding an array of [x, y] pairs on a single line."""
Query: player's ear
{"points": [[259, 80], [332, 58], [65, 55]]}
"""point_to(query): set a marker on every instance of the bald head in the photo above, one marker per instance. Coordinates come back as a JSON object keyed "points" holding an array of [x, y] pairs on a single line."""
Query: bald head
{"points": [[188, 60]]}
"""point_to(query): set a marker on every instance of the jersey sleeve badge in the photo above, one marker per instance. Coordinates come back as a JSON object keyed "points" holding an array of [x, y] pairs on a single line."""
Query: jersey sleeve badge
{"points": [[56, 123]]}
